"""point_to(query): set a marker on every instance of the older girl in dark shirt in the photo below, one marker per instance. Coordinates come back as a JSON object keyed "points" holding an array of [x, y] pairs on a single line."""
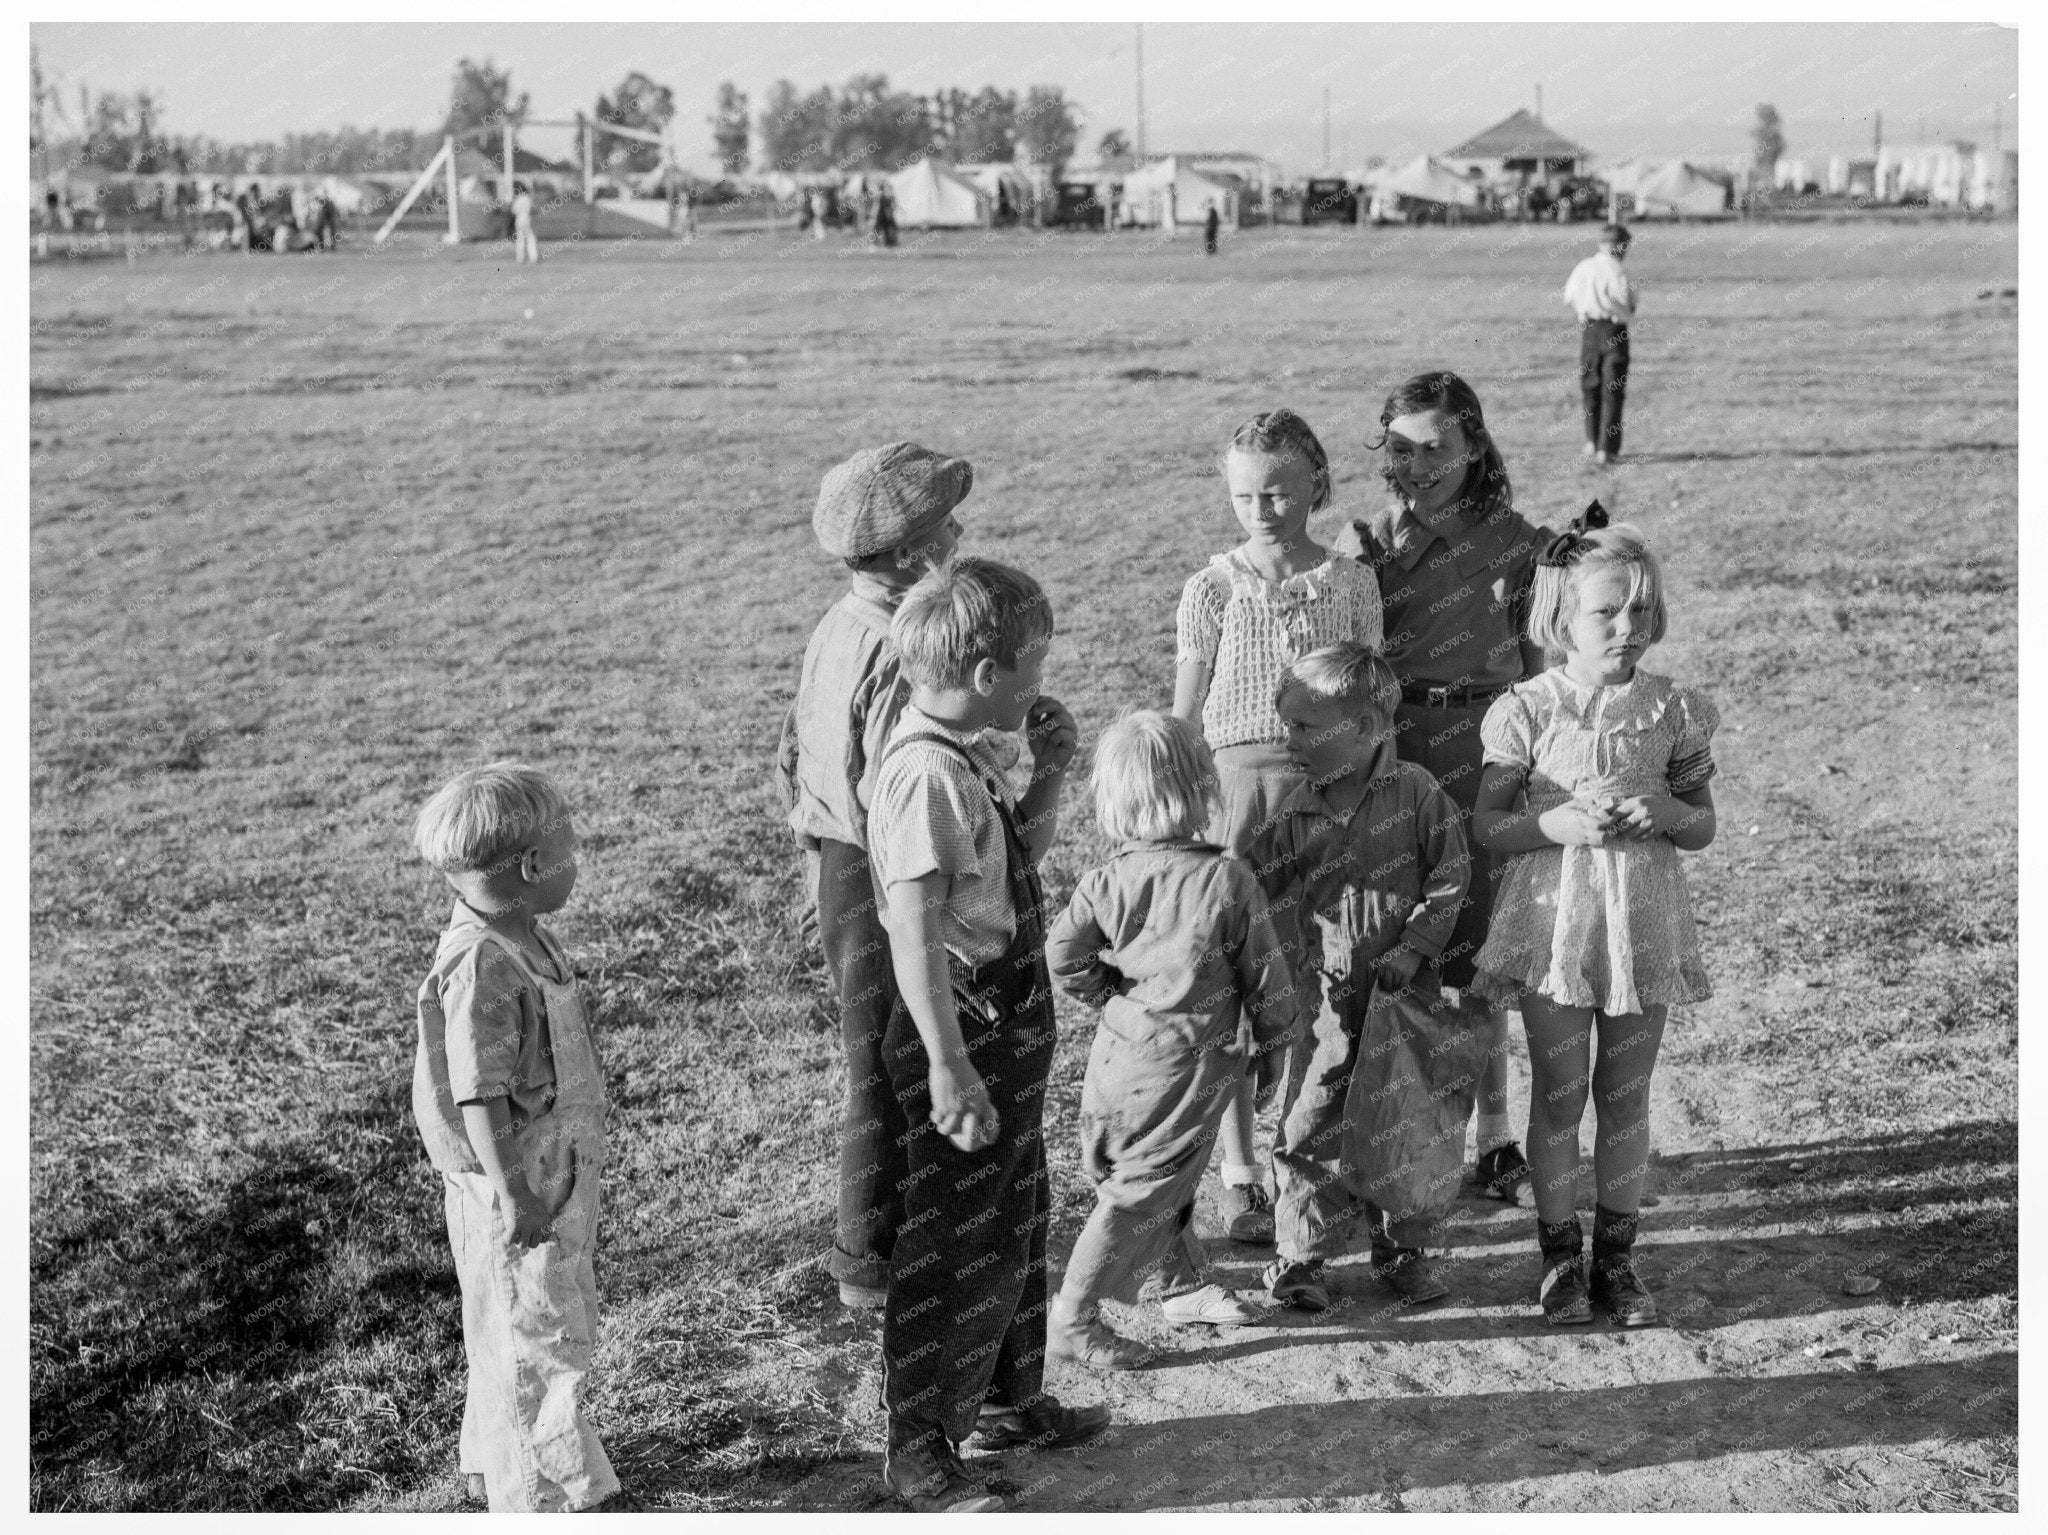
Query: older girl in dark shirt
{"points": [[1454, 562]]}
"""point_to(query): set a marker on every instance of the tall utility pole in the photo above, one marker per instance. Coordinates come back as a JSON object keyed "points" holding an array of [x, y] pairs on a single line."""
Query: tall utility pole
{"points": [[1539, 101], [1877, 133], [1326, 125], [1140, 29]]}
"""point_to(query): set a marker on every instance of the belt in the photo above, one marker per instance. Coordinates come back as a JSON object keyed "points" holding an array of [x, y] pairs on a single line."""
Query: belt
{"points": [[1449, 698], [1602, 320]]}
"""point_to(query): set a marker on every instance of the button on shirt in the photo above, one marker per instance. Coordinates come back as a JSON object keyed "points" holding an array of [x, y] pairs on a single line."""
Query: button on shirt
{"points": [[1599, 289], [1455, 604], [1390, 873]]}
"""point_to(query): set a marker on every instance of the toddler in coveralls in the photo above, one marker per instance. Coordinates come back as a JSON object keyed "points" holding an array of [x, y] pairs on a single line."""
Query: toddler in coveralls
{"points": [[509, 1097], [1171, 939]]}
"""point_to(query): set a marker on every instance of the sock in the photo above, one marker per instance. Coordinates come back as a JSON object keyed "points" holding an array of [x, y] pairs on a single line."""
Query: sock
{"points": [[1613, 1233], [1564, 1239], [1492, 1131], [1237, 1175]]}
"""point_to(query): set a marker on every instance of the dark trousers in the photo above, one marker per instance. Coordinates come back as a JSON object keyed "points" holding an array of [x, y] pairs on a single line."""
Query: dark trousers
{"points": [[871, 1138], [1603, 381], [965, 1322]]}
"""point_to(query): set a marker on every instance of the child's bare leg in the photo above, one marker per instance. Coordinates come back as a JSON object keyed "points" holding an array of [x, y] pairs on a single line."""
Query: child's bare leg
{"points": [[1621, 1106], [1495, 1127], [1240, 1161], [1559, 1080]]}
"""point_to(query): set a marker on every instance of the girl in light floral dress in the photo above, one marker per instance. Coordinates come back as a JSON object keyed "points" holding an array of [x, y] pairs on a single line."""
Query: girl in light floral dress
{"points": [[1596, 777]]}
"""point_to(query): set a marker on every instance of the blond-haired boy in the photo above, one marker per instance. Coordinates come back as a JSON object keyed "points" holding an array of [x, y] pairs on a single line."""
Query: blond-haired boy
{"points": [[509, 1096]]}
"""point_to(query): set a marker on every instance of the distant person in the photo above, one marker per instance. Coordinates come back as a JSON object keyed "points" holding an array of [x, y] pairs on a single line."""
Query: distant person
{"points": [[1605, 301], [885, 215], [525, 243], [248, 218], [1598, 774], [508, 1093], [326, 224], [1242, 618], [819, 202], [1212, 222]]}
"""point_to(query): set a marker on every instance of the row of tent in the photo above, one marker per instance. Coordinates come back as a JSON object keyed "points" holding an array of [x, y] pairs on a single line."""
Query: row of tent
{"points": [[927, 194]]}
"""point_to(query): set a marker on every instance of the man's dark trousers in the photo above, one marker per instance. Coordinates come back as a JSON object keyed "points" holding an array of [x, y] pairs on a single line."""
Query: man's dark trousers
{"points": [[872, 1159], [1603, 381]]}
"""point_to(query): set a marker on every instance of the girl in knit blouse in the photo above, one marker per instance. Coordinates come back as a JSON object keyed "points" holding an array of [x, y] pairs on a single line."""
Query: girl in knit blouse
{"points": [[1243, 618]]}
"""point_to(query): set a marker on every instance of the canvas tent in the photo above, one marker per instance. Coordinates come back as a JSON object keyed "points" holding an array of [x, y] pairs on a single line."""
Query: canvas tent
{"points": [[1424, 180], [928, 196], [1170, 191], [1669, 189], [1009, 191]]}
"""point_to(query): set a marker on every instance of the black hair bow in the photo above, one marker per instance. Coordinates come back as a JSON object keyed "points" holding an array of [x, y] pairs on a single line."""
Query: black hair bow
{"points": [[1571, 543]]}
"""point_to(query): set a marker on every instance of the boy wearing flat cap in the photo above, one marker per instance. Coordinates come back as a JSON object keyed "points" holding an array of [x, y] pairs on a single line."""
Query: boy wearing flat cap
{"points": [[888, 513]]}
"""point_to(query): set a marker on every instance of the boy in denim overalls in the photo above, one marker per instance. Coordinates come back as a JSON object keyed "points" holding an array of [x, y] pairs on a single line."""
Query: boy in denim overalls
{"points": [[509, 1096], [963, 1333]]}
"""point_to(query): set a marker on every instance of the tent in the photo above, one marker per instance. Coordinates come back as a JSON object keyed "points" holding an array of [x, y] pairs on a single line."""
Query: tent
{"points": [[1673, 189], [1171, 191], [1008, 190], [1424, 180], [930, 197]]}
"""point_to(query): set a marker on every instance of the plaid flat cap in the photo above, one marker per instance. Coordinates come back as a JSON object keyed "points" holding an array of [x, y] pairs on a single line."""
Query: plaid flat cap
{"points": [[881, 496]]}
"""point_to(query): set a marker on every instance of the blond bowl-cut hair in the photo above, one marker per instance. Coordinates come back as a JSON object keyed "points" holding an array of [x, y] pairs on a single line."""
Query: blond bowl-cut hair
{"points": [[483, 816], [968, 610], [1554, 596], [1154, 778], [1345, 673]]}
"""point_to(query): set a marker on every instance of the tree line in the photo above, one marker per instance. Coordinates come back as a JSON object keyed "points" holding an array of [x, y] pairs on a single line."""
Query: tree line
{"points": [[865, 124]]}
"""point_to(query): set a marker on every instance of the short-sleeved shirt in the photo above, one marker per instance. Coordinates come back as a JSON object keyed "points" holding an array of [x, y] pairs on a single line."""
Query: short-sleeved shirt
{"points": [[1456, 606], [932, 813], [1247, 629], [846, 704], [483, 1027], [1648, 735]]}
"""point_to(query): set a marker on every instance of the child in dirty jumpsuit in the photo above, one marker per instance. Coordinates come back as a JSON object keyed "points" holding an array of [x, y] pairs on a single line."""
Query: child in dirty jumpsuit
{"points": [[509, 1096], [1171, 939]]}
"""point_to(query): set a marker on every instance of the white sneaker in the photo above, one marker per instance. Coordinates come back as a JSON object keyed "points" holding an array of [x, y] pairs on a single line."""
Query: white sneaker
{"points": [[1587, 450], [1213, 1305]]}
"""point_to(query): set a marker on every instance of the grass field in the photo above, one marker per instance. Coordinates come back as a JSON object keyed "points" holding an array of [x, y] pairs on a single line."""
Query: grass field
{"points": [[310, 534]]}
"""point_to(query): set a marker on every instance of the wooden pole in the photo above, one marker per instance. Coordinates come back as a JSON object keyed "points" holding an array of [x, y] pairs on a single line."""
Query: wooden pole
{"points": [[505, 192], [419, 186], [454, 236]]}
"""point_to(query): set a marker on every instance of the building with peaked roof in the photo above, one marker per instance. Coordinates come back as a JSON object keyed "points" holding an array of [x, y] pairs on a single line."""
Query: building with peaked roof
{"points": [[1520, 147]]}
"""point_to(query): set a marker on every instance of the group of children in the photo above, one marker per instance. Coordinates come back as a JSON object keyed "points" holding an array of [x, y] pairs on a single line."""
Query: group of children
{"points": [[1399, 793]]}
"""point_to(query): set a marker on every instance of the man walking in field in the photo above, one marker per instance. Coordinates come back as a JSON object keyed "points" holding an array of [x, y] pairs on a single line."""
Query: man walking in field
{"points": [[526, 245], [1605, 301]]}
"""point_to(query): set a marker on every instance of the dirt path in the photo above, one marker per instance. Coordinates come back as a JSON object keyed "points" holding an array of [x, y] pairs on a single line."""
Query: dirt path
{"points": [[1768, 1387]]}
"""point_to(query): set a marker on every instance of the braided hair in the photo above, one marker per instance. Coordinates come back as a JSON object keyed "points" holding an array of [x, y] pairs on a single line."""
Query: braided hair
{"points": [[1284, 434]]}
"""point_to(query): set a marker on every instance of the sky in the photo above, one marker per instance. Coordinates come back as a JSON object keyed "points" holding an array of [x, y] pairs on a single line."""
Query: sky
{"points": [[1392, 90]]}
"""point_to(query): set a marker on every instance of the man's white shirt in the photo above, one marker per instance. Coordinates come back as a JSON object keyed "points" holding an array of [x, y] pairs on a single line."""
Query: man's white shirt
{"points": [[1599, 289]]}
